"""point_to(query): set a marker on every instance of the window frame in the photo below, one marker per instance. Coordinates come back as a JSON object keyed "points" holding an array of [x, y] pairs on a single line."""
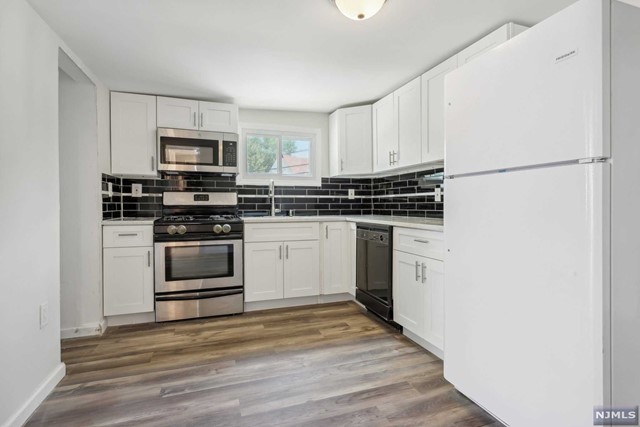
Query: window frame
{"points": [[315, 157]]}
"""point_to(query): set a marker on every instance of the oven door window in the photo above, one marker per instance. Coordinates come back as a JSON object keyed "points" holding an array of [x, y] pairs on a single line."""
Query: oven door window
{"points": [[198, 262], [185, 151]]}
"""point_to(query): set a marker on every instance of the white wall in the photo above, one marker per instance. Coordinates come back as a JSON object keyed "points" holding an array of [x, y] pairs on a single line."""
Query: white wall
{"points": [[80, 207], [29, 209], [297, 119]]}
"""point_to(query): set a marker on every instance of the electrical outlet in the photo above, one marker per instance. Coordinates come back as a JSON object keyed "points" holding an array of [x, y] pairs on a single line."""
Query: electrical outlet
{"points": [[44, 315], [352, 194], [110, 189], [136, 190], [438, 194]]}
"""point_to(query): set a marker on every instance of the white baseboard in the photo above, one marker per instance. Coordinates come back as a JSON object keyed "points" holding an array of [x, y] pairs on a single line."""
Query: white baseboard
{"points": [[43, 390], [423, 343], [130, 319], [83, 331], [295, 302]]}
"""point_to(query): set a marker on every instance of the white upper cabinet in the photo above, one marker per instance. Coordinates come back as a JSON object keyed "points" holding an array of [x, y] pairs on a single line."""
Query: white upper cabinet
{"points": [[350, 141], [385, 138], [133, 134], [407, 106], [218, 117], [433, 110], [177, 113], [181, 113], [485, 44]]}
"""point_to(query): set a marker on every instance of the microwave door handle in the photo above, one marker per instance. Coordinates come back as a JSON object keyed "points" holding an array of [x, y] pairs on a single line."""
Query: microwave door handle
{"points": [[220, 152]]}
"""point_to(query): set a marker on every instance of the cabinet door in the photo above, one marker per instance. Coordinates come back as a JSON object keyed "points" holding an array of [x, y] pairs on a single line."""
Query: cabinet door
{"points": [[133, 134], [355, 140], [337, 258], [218, 117], [433, 110], [489, 41], [128, 280], [385, 140], [408, 292], [301, 269], [434, 302], [263, 271], [408, 124], [177, 113]]}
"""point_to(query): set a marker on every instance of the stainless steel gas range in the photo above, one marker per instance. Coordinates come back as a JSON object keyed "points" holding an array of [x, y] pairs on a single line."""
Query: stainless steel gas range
{"points": [[198, 256]]}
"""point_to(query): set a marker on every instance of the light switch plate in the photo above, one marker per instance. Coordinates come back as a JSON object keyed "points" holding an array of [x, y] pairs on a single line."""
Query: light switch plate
{"points": [[44, 315], [136, 190], [438, 194], [110, 189], [352, 194]]}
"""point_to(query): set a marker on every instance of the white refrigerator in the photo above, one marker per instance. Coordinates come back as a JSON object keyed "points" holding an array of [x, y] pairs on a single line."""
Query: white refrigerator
{"points": [[542, 220]]}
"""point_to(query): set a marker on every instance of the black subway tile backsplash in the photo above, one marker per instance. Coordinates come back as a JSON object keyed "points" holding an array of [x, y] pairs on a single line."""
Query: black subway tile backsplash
{"points": [[331, 198]]}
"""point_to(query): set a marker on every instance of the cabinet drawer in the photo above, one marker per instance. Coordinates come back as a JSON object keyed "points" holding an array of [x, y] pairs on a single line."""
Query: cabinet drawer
{"points": [[125, 236], [279, 232], [425, 243]]}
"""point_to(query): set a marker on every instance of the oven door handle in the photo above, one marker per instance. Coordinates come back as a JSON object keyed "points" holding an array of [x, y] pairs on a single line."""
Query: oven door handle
{"points": [[198, 295]]}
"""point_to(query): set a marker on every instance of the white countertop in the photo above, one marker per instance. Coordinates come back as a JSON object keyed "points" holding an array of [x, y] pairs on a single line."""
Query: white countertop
{"points": [[433, 224], [129, 221]]}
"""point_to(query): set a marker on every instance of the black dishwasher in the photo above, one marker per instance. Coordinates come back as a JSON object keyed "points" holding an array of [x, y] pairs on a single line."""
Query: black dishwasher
{"points": [[373, 269]]}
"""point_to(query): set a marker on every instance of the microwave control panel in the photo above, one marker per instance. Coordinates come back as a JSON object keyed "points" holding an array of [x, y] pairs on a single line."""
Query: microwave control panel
{"points": [[230, 153]]}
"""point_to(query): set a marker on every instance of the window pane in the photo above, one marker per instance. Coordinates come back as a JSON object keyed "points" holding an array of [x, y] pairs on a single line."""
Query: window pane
{"points": [[262, 154], [296, 156]]}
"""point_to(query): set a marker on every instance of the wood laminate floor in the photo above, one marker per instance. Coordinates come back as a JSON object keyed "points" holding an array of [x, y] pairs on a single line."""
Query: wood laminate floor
{"points": [[323, 365]]}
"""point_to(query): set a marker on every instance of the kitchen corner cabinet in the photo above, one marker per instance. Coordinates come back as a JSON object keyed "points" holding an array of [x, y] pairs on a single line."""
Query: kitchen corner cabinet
{"points": [[350, 141], [191, 114], [133, 134], [385, 139], [337, 258], [128, 269], [418, 284], [488, 42], [277, 269]]}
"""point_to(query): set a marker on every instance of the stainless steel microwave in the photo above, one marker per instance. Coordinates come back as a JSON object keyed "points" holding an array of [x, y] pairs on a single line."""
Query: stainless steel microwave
{"points": [[181, 150]]}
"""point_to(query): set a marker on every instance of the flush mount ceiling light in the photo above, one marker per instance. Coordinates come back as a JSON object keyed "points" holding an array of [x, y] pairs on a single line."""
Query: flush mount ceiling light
{"points": [[359, 10]]}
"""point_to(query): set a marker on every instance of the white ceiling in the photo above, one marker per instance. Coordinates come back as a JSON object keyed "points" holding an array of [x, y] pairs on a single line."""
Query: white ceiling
{"points": [[274, 54]]}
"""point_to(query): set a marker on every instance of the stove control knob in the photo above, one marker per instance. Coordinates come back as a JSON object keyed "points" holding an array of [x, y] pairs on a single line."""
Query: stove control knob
{"points": [[226, 228], [182, 229], [217, 228], [171, 229]]}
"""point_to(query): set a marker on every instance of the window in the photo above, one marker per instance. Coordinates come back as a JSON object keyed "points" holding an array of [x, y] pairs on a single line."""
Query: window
{"points": [[288, 156]]}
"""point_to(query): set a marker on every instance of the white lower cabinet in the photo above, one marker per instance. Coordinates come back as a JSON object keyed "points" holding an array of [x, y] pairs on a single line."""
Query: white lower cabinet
{"points": [[281, 269], [263, 272], [128, 280], [418, 285], [337, 258], [301, 269], [127, 260]]}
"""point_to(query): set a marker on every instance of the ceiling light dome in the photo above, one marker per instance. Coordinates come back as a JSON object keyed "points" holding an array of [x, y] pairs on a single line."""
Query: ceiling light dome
{"points": [[359, 10]]}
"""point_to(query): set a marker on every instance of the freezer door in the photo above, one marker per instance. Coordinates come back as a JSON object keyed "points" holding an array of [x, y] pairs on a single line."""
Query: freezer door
{"points": [[537, 99], [524, 285]]}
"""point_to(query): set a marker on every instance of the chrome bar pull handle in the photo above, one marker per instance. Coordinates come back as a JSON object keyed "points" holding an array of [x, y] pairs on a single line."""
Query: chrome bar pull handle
{"points": [[153, 163], [127, 234], [420, 241], [424, 272], [417, 271], [287, 251], [390, 161], [280, 252], [201, 119], [326, 232], [148, 258], [194, 119]]}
